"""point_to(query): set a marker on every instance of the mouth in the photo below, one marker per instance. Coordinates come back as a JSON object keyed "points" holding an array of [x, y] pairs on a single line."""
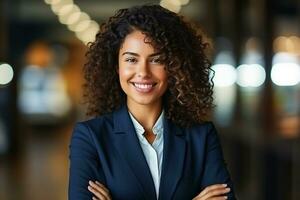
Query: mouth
{"points": [[143, 87]]}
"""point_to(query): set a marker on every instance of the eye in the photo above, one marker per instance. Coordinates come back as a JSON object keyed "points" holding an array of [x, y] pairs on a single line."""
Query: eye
{"points": [[131, 60], [156, 60]]}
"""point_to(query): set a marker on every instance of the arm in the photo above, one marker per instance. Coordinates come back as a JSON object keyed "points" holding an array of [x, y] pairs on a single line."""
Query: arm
{"points": [[84, 164], [215, 171]]}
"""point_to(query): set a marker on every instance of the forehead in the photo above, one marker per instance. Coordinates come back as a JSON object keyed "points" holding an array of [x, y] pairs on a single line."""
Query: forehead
{"points": [[137, 42]]}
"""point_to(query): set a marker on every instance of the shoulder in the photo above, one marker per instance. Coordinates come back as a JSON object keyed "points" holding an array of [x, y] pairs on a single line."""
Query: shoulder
{"points": [[96, 122], [201, 128], [93, 125]]}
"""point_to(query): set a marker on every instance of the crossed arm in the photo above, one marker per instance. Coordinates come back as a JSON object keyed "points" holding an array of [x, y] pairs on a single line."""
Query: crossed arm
{"points": [[213, 192]]}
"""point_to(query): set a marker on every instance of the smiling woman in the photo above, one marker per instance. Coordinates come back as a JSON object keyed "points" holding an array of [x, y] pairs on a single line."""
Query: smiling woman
{"points": [[148, 88]]}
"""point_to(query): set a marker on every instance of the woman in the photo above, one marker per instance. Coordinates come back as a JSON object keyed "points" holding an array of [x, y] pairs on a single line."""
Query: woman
{"points": [[147, 81]]}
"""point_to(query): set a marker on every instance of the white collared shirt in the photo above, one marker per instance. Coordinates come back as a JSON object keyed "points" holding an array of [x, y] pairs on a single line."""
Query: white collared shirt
{"points": [[154, 152]]}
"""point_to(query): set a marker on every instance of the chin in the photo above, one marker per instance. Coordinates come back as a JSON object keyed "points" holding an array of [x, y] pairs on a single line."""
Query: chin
{"points": [[144, 101]]}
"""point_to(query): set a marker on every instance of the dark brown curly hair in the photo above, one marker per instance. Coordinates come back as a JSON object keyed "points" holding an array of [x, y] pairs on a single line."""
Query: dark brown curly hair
{"points": [[189, 95]]}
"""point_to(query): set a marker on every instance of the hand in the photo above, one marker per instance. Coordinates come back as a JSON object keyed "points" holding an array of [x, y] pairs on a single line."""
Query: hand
{"points": [[99, 190], [213, 192]]}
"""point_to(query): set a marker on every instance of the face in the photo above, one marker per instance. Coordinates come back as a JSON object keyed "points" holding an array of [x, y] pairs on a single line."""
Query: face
{"points": [[142, 73]]}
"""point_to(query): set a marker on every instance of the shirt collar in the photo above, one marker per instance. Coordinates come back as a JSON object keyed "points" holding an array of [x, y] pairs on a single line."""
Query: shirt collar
{"points": [[157, 128]]}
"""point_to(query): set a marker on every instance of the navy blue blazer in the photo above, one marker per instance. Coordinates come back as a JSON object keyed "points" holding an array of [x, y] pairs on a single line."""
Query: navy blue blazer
{"points": [[107, 149]]}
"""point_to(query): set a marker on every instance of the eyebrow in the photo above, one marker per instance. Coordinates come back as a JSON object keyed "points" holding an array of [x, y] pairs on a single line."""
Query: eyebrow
{"points": [[135, 54]]}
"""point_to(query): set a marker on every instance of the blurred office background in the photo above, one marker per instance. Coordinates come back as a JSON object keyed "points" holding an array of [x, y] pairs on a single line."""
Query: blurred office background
{"points": [[256, 56]]}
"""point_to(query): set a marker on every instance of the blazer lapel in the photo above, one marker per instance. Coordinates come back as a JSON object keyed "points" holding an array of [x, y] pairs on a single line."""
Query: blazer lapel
{"points": [[173, 160], [128, 145]]}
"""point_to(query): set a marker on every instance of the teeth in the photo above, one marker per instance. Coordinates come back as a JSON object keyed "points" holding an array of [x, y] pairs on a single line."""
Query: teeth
{"points": [[143, 86]]}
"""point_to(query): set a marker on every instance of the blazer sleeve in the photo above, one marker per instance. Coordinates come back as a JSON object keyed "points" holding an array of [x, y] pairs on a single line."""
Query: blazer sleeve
{"points": [[215, 170], [84, 163]]}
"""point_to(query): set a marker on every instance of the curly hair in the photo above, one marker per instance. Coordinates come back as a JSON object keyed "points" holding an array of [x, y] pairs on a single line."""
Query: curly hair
{"points": [[188, 98]]}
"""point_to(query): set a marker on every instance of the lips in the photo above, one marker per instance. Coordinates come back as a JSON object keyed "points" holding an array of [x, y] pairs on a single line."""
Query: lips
{"points": [[143, 87]]}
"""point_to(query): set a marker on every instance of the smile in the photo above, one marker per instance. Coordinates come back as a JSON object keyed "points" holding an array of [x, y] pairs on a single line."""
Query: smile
{"points": [[144, 88]]}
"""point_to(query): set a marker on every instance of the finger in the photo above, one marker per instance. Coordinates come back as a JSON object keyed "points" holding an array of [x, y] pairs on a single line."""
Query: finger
{"points": [[215, 193], [101, 185], [96, 193], [212, 198], [210, 188], [98, 186], [101, 189], [218, 198], [94, 198]]}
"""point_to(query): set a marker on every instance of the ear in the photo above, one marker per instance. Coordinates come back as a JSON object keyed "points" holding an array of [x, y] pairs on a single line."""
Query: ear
{"points": [[117, 69]]}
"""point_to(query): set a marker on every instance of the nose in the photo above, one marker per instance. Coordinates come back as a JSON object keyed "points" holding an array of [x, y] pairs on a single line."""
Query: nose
{"points": [[143, 70]]}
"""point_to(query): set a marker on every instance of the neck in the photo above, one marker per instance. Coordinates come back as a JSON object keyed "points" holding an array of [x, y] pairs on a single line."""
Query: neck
{"points": [[146, 115]]}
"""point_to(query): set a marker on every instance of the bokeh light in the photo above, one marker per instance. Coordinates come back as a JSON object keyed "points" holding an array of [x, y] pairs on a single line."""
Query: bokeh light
{"points": [[6, 74], [252, 75], [285, 70], [225, 75]]}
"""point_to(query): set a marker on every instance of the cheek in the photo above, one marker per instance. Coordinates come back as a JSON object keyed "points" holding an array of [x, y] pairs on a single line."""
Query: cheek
{"points": [[123, 79], [124, 73], [161, 74]]}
